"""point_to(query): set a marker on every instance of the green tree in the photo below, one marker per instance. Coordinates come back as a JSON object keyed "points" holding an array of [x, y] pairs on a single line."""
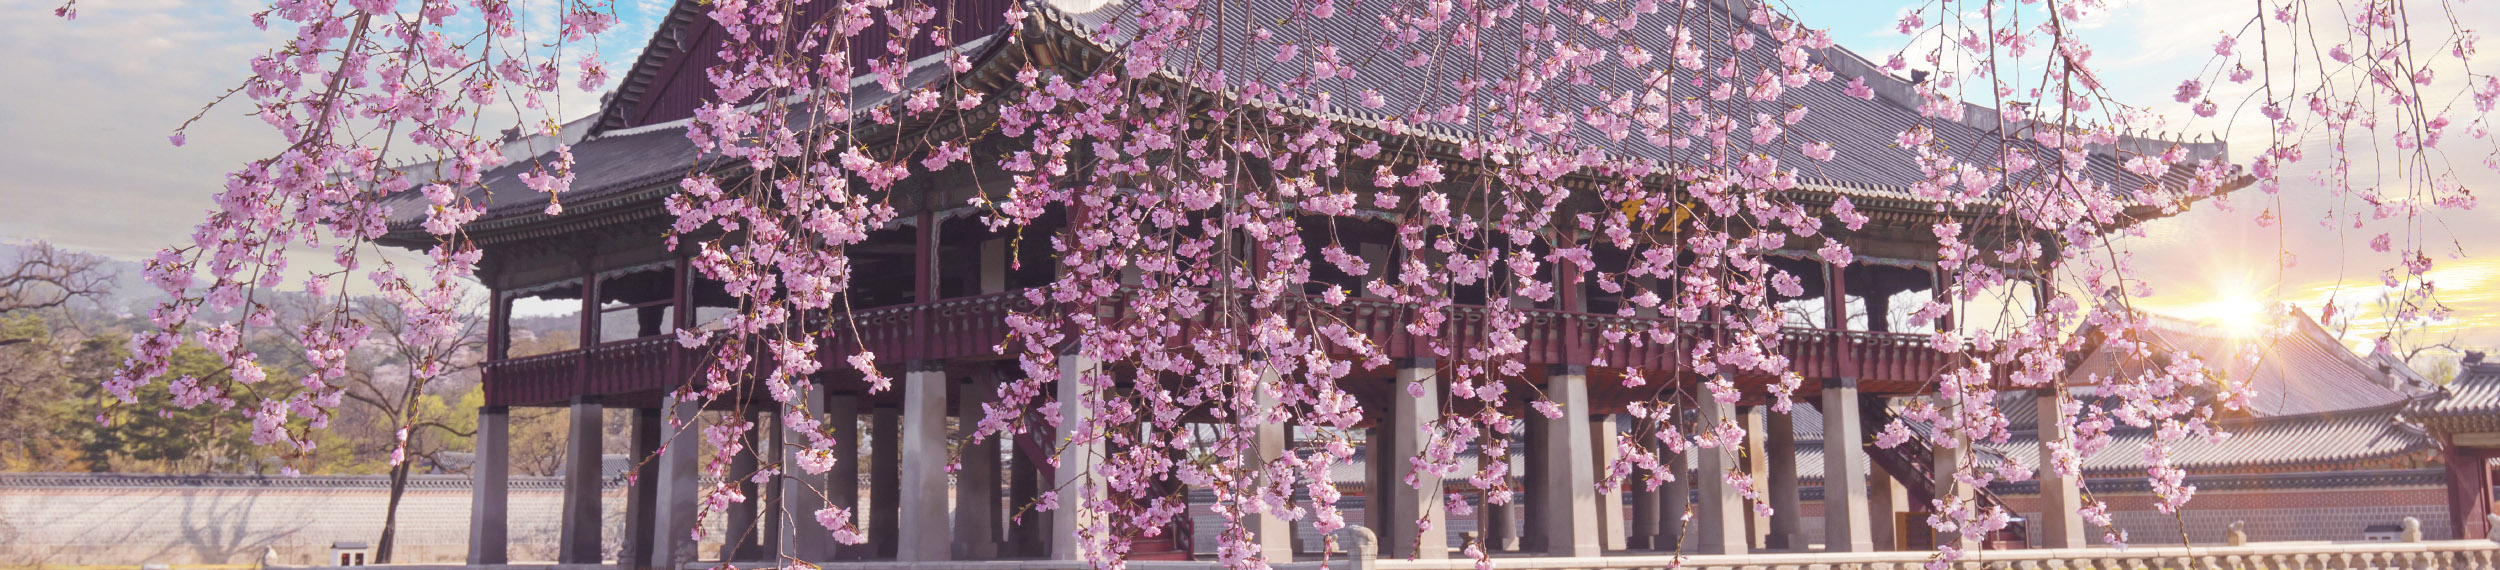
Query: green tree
{"points": [[154, 434]]}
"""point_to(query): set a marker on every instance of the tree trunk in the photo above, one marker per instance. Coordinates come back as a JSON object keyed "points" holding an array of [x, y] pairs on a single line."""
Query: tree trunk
{"points": [[390, 516]]}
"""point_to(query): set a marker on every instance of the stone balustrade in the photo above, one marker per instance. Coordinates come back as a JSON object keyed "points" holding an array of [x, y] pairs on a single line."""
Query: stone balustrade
{"points": [[2428, 555], [2434, 555]]}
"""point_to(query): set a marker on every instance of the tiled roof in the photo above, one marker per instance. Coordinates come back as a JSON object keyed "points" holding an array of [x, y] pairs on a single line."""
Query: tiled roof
{"points": [[622, 161], [2315, 441], [2471, 401], [2303, 371], [1862, 131]]}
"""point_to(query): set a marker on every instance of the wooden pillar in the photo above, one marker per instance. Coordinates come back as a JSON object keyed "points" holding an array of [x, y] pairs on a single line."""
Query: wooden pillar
{"points": [[490, 497], [2469, 489], [923, 283], [1939, 293], [587, 326], [579, 543], [994, 265]]}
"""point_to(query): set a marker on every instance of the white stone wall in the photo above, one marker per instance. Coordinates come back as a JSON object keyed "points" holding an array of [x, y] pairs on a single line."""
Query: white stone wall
{"points": [[64, 525]]}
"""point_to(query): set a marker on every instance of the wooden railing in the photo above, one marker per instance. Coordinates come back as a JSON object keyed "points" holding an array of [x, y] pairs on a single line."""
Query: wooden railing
{"points": [[976, 327]]}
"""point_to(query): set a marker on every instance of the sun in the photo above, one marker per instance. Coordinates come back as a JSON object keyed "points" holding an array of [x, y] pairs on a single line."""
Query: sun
{"points": [[2239, 316], [2237, 308]]}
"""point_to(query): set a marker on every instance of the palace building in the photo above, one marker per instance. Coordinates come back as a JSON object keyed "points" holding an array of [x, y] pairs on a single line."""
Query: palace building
{"points": [[603, 261]]}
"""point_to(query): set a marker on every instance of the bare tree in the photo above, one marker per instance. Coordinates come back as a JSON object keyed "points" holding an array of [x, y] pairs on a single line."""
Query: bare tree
{"points": [[40, 276], [33, 278], [403, 391]]}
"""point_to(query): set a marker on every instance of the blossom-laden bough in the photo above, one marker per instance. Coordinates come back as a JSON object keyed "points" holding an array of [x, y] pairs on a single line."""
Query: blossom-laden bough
{"points": [[1191, 144]]}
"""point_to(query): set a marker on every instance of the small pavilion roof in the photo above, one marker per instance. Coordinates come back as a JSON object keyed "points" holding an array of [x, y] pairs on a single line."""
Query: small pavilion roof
{"points": [[2305, 370], [2471, 402], [2334, 440]]}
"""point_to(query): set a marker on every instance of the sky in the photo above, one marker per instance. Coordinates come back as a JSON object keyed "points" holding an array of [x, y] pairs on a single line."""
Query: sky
{"points": [[84, 132]]}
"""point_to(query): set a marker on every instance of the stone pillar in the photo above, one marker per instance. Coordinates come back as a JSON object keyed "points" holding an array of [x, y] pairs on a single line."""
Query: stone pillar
{"points": [[1269, 443], [490, 496], [1602, 445], [1569, 497], [672, 545], [769, 441], [885, 480], [1642, 533], [2061, 499], [842, 482], [976, 486], [923, 520], [1026, 528], [1884, 499], [1409, 428], [1720, 518], [1078, 451], [1535, 473], [1376, 475], [1779, 446], [1756, 463], [1501, 524], [1845, 526], [1948, 461], [802, 494], [1674, 500], [579, 542], [643, 493], [738, 536]]}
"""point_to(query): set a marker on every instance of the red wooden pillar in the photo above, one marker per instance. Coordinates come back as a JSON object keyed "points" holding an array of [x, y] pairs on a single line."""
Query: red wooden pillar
{"points": [[1836, 316], [681, 293], [2469, 489], [1943, 282], [923, 284], [1567, 276], [498, 336], [588, 333]]}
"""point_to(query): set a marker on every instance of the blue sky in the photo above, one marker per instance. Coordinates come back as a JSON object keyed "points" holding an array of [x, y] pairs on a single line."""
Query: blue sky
{"points": [[89, 166]]}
